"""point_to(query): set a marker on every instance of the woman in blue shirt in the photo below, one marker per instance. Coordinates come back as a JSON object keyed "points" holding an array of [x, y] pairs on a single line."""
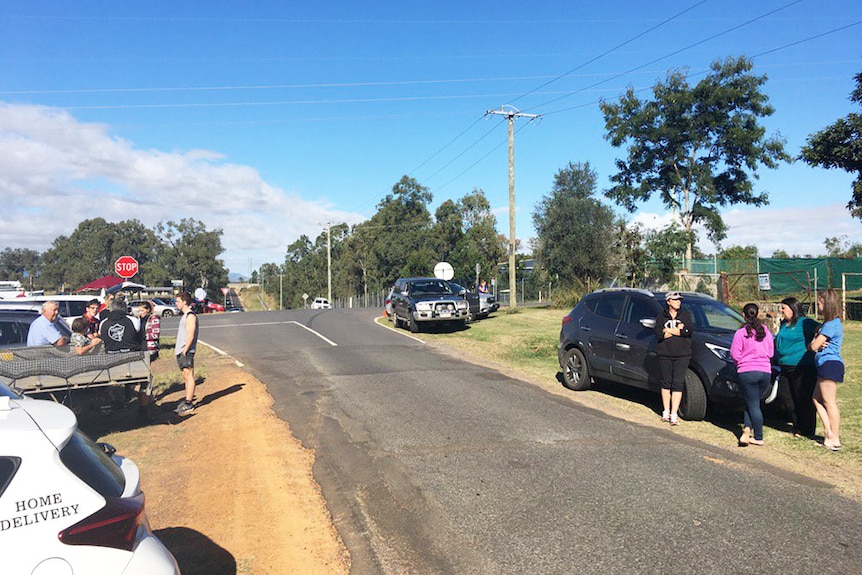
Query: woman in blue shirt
{"points": [[798, 376], [830, 367]]}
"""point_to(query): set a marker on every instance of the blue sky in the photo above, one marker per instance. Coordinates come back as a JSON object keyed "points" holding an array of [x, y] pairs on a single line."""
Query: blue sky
{"points": [[269, 119]]}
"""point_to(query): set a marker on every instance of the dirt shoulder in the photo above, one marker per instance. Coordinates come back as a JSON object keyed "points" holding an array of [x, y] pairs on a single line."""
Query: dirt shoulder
{"points": [[229, 489]]}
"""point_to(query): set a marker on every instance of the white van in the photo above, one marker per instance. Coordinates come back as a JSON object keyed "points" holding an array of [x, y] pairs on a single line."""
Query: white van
{"points": [[321, 303], [71, 306]]}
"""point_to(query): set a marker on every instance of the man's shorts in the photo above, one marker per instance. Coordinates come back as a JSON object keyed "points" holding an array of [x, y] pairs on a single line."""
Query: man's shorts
{"points": [[186, 360], [832, 370]]}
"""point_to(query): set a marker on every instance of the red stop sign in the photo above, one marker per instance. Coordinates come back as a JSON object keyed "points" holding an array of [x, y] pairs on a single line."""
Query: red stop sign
{"points": [[126, 267]]}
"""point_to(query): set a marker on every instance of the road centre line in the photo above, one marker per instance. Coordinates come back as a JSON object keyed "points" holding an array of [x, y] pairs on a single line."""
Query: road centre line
{"points": [[318, 334]]}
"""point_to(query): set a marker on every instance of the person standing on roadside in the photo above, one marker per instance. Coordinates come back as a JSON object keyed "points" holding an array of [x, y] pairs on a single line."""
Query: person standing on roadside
{"points": [[187, 340], [151, 328], [752, 350], [830, 367], [673, 333], [796, 360], [119, 332]]}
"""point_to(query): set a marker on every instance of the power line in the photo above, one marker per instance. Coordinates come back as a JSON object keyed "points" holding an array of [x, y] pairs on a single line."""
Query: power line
{"points": [[701, 72], [674, 53], [611, 50]]}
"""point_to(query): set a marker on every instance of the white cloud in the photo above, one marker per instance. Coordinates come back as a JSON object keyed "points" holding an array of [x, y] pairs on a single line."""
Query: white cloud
{"points": [[796, 230], [56, 171]]}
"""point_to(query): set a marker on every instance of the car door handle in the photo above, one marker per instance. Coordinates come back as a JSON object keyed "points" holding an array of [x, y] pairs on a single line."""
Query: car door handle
{"points": [[623, 346], [621, 336]]}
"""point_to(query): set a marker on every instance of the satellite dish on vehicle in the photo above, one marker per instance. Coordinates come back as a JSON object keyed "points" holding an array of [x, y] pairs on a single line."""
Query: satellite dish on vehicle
{"points": [[444, 271]]}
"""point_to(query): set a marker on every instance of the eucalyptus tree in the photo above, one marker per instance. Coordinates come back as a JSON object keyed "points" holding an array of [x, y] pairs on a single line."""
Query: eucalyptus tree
{"points": [[839, 145], [697, 147], [574, 229]]}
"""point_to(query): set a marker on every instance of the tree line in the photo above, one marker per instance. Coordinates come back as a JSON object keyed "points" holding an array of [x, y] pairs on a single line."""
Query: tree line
{"points": [[183, 250]]}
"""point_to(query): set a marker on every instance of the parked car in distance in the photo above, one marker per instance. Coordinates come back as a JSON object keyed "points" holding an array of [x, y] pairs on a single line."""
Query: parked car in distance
{"points": [[474, 309], [14, 327], [488, 304], [161, 307], [321, 303], [610, 335], [417, 301], [67, 504]]}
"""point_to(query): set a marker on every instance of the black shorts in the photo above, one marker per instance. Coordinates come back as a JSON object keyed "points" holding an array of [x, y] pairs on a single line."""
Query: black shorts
{"points": [[186, 360], [832, 370]]}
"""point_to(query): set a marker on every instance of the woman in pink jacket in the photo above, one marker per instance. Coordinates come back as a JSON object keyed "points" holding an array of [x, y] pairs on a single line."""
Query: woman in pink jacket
{"points": [[751, 351]]}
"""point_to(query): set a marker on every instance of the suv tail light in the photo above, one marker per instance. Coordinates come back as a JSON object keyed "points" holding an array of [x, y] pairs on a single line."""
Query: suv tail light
{"points": [[566, 319], [114, 525]]}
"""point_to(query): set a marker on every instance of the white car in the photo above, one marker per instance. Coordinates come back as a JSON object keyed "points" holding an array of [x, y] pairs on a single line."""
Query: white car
{"points": [[321, 303], [68, 505], [162, 307]]}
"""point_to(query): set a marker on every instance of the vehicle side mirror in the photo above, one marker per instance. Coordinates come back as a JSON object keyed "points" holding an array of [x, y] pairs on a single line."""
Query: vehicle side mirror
{"points": [[648, 322], [462, 292], [107, 448]]}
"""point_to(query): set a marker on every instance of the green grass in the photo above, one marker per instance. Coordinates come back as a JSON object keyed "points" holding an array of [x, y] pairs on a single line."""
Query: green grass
{"points": [[524, 344], [249, 297]]}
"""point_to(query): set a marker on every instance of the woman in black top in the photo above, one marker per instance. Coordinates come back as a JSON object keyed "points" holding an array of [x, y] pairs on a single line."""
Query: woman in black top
{"points": [[673, 333]]}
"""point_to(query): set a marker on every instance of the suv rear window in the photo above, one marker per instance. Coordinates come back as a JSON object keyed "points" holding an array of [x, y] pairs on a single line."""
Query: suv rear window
{"points": [[8, 469], [12, 332], [93, 466], [609, 306]]}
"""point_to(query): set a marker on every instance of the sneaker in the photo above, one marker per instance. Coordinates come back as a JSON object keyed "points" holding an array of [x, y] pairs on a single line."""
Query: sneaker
{"points": [[673, 419], [665, 416], [184, 407]]}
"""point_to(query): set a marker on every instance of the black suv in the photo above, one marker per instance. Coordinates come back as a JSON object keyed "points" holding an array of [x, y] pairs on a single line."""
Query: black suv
{"points": [[427, 300], [610, 336]]}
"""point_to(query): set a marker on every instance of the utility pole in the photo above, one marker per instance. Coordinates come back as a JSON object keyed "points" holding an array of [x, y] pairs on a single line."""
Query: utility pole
{"points": [[329, 263], [511, 113]]}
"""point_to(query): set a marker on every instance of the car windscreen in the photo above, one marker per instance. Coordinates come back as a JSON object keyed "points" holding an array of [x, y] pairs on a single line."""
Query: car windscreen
{"points": [[93, 466], [430, 287]]}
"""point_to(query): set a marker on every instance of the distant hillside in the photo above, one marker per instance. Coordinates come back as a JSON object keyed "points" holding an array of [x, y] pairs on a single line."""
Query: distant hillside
{"points": [[234, 277]]}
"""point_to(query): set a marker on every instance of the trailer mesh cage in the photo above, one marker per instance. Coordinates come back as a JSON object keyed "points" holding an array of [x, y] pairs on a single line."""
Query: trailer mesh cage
{"points": [[18, 363]]}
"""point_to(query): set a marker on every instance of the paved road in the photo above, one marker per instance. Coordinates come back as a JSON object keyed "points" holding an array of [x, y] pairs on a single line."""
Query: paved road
{"points": [[434, 466]]}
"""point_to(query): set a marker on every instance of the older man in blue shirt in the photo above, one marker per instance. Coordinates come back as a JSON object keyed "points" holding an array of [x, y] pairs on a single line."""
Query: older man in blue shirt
{"points": [[49, 328]]}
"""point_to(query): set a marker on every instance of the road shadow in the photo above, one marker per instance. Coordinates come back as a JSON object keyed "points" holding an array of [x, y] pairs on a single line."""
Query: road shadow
{"points": [[196, 553]]}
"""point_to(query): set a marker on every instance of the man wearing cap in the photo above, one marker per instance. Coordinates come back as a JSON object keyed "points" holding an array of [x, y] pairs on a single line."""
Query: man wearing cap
{"points": [[673, 334]]}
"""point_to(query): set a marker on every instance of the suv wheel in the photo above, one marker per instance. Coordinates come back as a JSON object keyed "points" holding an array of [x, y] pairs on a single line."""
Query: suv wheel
{"points": [[693, 406], [411, 323], [576, 372], [167, 313]]}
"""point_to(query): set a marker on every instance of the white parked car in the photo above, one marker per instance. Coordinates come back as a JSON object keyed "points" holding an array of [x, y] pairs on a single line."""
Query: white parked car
{"points": [[321, 303], [162, 307], [68, 505]]}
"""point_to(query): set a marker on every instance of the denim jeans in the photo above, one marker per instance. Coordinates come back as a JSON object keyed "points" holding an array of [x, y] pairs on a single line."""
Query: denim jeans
{"points": [[753, 385]]}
